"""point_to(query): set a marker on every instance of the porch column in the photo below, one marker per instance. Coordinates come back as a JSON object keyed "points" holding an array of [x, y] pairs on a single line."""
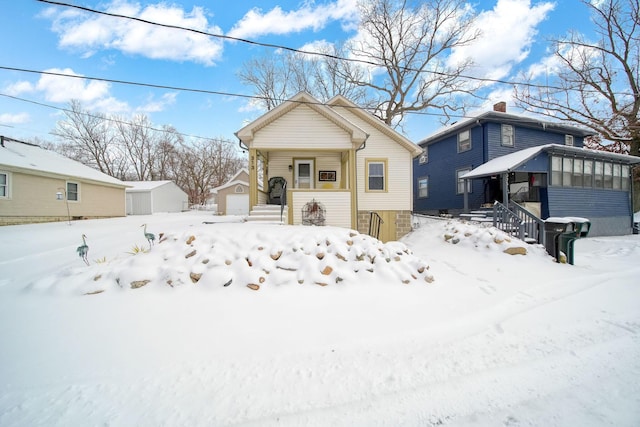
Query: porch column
{"points": [[351, 167], [505, 188], [253, 178], [465, 182]]}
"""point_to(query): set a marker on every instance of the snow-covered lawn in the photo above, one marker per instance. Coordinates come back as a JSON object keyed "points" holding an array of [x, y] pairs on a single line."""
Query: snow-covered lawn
{"points": [[341, 330]]}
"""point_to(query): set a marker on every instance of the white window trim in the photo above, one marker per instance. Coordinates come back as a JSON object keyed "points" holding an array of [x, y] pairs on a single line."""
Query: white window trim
{"points": [[427, 187], [8, 185], [510, 133], [66, 191], [568, 140], [424, 157], [468, 132], [469, 182], [383, 162]]}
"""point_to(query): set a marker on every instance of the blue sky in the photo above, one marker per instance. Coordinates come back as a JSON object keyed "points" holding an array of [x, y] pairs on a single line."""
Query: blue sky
{"points": [[42, 37]]}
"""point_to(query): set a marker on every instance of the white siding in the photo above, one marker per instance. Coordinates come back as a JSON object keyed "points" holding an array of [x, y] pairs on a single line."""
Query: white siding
{"points": [[302, 128], [337, 206], [169, 198], [399, 170]]}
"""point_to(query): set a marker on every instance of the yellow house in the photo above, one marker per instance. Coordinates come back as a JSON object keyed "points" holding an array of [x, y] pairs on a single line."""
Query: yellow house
{"points": [[39, 185], [336, 159]]}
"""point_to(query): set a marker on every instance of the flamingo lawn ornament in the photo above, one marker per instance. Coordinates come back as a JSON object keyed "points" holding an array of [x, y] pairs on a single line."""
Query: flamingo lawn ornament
{"points": [[149, 236], [83, 250]]}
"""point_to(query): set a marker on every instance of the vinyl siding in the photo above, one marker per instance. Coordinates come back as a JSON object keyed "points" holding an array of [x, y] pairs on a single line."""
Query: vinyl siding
{"points": [[588, 202], [523, 138], [337, 206], [33, 196], [399, 170], [302, 128], [444, 161]]}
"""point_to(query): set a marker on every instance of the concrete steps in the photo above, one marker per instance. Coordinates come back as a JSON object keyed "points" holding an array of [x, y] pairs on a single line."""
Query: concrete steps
{"points": [[267, 214]]}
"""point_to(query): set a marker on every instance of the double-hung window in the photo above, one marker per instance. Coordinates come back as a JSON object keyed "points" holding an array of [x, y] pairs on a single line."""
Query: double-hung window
{"points": [[4, 185], [464, 141], [73, 191], [460, 181], [376, 175], [423, 187], [507, 136], [568, 140]]}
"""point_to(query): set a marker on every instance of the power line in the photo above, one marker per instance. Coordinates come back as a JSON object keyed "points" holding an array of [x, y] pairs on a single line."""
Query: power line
{"points": [[104, 117], [185, 89], [294, 50]]}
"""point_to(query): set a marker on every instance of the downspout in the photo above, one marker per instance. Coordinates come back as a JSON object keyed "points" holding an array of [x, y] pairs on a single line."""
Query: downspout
{"points": [[465, 182]]}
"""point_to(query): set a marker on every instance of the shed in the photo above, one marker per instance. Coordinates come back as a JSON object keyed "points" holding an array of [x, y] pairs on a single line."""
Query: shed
{"points": [[149, 197], [233, 196]]}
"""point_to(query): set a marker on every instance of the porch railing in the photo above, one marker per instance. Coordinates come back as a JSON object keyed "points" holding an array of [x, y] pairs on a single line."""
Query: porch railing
{"points": [[374, 224], [532, 226], [518, 222], [283, 200]]}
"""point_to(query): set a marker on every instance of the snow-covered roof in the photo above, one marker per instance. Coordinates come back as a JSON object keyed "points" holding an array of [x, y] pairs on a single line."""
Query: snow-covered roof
{"points": [[231, 184], [138, 186], [511, 162], [500, 117], [40, 161]]}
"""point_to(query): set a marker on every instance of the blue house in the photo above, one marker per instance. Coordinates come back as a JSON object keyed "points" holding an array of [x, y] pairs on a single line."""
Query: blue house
{"points": [[527, 165]]}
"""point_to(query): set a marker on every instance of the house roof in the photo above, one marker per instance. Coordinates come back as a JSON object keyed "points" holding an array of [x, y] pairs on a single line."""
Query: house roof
{"points": [[341, 101], [141, 186], [33, 159], [511, 162], [358, 135], [500, 117], [233, 181]]}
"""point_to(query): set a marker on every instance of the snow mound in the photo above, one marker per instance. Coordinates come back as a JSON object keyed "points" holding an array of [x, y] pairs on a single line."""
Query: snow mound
{"points": [[229, 257], [485, 237]]}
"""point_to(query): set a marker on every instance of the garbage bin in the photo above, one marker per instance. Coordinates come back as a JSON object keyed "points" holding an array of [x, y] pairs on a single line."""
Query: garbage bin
{"points": [[567, 240], [554, 227]]}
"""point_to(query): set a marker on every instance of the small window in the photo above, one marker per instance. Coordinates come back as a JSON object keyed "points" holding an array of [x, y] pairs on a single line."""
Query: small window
{"points": [[460, 181], [567, 171], [578, 172], [72, 191], [597, 175], [424, 157], [507, 136], [423, 187], [568, 140], [608, 175], [4, 185], [464, 141], [588, 173], [625, 177], [376, 172], [239, 189], [617, 168], [556, 170]]}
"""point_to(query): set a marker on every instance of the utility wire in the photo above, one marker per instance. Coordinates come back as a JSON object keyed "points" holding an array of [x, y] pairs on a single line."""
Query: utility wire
{"points": [[290, 49], [185, 89], [107, 118]]}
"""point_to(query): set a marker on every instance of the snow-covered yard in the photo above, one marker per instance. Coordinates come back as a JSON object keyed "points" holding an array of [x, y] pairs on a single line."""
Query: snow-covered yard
{"points": [[340, 330]]}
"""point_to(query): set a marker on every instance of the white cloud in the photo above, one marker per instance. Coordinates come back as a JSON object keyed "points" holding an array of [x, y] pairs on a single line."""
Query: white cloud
{"points": [[255, 23], [18, 88], [63, 89], [155, 105], [508, 31], [14, 119], [91, 32]]}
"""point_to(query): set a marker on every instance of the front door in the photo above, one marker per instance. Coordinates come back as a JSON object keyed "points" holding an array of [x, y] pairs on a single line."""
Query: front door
{"points": [[304, 173]]}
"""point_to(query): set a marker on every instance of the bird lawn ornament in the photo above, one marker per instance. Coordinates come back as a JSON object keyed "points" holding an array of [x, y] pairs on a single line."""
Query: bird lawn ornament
{"points": [[149, 236], [83, 250]]}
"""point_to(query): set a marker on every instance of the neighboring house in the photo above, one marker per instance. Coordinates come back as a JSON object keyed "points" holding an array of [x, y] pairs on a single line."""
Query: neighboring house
{"points": [[233, 197], [540, 165], [337, 159], [149, 197], [39, 185]]}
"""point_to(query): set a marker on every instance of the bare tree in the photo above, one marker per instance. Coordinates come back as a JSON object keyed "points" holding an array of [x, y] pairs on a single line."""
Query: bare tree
{"points": [[597, 81], [138, 141], [397, 65], [167, 156], [205, 165], [411, 41], [88, 138]]}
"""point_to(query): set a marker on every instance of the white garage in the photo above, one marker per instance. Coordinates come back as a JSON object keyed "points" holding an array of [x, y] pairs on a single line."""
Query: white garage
{"points": [[237, 204], [149, 197], [233, 197]]}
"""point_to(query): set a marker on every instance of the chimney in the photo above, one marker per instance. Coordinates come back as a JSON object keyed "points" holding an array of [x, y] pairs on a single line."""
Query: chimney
{"points": [[500, 107]]}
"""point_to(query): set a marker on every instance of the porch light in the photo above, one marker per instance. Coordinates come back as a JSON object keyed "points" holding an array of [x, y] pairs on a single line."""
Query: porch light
{"points": [[290, 168]]}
